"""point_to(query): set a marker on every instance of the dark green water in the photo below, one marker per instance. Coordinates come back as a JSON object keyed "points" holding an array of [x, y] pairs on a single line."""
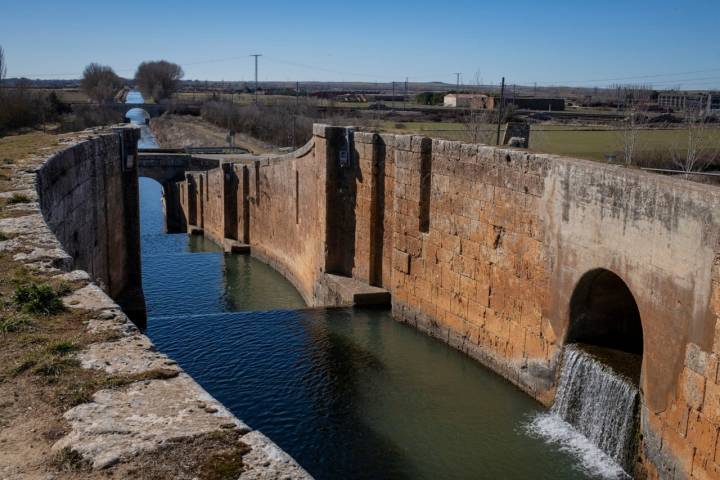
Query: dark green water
{"points": [[349, 394]]}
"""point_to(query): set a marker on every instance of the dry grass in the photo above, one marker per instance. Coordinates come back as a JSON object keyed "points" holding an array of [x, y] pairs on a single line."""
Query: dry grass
{"points": [[40, 379], [14, 148]]}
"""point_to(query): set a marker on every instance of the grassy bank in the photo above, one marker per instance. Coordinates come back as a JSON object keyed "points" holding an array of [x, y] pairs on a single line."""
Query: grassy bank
{"points": [[589, 142], [41, 376]]}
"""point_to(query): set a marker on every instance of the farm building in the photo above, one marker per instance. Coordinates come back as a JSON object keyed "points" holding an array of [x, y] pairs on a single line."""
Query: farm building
{"points": [[489, 102]]}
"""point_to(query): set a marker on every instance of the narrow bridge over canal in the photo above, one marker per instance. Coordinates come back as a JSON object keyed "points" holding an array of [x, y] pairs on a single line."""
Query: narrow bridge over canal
{"points": [[153, 109], [169, 167]]}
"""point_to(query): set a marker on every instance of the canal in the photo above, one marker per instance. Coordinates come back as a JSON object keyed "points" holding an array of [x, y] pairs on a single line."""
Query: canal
{"points": [[349, 394]]}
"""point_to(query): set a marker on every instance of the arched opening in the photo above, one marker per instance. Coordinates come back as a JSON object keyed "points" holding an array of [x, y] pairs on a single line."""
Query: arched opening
{"points": [[152, 213], [603, 312], [161, 207], [138, 116], [598, 386]]}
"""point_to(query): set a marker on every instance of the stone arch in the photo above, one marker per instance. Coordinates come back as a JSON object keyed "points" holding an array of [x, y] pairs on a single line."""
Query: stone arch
{"points": [[138, 116], [173, 217], [603, 312]]}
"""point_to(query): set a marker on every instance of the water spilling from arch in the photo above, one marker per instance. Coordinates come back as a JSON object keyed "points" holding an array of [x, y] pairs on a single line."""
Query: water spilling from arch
{"points": [[595, 412], [348, 393]]}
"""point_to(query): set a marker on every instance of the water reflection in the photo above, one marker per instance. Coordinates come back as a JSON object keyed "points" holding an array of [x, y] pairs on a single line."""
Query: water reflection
{"points": [[134, 96], [189, 274], [349, 394]]}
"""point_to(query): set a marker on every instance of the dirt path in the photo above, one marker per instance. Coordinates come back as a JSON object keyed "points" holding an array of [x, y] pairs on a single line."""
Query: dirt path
{"points": [[178, 131]]}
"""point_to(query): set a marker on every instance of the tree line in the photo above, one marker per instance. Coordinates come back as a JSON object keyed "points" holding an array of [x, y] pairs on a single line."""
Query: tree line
{"points": [[156, 80], [22, 106]]}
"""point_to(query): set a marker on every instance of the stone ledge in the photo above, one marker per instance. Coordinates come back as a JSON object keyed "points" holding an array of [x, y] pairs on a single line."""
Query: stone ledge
{"points": [[233, 246], [347, 291], [120, 423]]}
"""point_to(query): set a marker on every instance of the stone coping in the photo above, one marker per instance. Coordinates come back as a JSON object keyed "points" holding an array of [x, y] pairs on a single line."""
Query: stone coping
{"points": [[142, 416]]}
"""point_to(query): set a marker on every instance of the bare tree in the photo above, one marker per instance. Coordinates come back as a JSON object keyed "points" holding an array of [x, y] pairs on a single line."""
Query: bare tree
{"points": [[100, 82], [3, 64], [158, 80], [629, 132], [478, 126], [477, 122], [701, 147]]}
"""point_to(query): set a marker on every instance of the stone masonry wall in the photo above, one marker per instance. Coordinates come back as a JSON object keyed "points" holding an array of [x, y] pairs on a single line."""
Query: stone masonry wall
{"points": [[278, 205], [214, 204], [87, 217], [483, 248], [88, 194]]}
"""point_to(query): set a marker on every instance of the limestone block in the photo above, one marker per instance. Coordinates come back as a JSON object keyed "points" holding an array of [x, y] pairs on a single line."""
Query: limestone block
{"points": [[268, 462], [119, 424]]}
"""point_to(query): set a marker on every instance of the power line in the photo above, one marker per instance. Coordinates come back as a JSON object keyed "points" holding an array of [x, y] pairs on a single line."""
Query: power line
{"points": [[665, 77], [638, 77]]}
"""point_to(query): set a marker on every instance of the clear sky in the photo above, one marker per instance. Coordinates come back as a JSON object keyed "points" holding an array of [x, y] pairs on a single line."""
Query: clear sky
{"points": [[665, 43]]}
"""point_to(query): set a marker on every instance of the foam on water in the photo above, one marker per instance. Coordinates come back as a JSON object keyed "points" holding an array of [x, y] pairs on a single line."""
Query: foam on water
{"points": [[594, 415], [593, 461]]}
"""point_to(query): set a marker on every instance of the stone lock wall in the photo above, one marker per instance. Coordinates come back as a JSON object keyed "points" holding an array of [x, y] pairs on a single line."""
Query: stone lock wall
{"points": [[88, 194], [276, 204], [87, 218], [483, 248]]}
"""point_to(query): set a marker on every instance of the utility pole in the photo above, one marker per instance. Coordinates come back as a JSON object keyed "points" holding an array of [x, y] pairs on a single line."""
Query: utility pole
{"points": [[256, 55], [297, 104], [393, 96], [406, 92], [457, 75], [502, 107]]}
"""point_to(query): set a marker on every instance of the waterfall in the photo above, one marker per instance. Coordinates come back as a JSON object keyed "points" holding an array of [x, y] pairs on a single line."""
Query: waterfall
{"points": [[600, 405]]}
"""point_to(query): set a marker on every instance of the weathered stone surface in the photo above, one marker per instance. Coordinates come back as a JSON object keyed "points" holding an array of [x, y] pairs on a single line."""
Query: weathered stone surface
{"points": [[141, 417], [339, 290], [129, 355], [74, 276], [28, 193], [29, 224], [56, 257], [484, 247], [90, 297], [268, 462]]}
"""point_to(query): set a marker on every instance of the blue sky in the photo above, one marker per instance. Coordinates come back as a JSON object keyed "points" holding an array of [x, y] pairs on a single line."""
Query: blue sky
{"points": [[673, 43]]}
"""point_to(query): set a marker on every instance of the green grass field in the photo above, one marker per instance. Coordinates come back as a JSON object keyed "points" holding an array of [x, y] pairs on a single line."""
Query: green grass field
{"points": [[592, 143]]}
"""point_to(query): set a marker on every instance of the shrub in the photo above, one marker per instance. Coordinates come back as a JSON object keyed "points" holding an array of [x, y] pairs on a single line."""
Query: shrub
{"points": [[14, 323], [270, 123], [62, 347], [18, 198], [39, 299], [87, 116]]}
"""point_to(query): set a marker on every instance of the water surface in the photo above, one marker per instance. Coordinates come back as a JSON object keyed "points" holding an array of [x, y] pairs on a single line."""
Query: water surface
{"points": [[349, 394]]}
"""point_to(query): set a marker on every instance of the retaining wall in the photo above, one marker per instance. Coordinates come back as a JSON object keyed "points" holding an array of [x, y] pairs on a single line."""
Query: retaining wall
{"points": [[483, 247], [88, 194], [85, 228]]}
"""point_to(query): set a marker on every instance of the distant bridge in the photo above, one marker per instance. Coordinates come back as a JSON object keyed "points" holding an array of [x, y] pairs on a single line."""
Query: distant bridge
{"points": [[153, 109]]}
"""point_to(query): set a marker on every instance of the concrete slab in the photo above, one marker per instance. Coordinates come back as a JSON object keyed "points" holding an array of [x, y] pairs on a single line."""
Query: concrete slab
{"points": [[353, 292], [233, 246]]}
